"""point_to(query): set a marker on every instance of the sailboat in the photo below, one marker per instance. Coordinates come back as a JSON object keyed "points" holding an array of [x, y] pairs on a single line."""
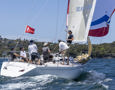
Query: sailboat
{"points": [[79, 18]]}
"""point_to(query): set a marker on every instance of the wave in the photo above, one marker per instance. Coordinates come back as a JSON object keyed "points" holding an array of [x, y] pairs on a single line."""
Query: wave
{"points": [[28, 82], [87, 81]]}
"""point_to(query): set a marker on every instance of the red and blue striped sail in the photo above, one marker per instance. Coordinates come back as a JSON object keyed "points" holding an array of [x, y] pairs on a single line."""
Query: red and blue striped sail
{"points": [[103, 12]]}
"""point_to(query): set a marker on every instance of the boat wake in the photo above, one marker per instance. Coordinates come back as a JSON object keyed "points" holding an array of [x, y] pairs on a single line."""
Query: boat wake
{"points": [[87, 81], [38, 82], [94, 80]]}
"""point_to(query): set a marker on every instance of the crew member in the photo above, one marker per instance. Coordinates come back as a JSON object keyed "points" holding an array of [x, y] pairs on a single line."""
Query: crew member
{"points": [[70, 37], [33, 52], [13, 54], [62, 49], [46, 52], [23, 55]]}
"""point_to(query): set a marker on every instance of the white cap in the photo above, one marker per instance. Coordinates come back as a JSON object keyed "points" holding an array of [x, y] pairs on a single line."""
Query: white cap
{"points": [[45, 44]]}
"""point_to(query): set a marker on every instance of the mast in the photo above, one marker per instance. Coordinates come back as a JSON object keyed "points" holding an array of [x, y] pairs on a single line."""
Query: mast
{"points": [[67, 18], [67, 12], [89, 47]]}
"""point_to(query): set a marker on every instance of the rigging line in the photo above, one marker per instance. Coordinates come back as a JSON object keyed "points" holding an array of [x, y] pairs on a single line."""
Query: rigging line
{"points": [[35, 17], [29, 18], [63, 23], [57, 21], [18, 41]]}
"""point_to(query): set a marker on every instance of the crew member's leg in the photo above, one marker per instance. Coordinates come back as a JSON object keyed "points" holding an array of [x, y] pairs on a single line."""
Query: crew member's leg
{"points": [[63, 55], [67, 52], [38, 57]]}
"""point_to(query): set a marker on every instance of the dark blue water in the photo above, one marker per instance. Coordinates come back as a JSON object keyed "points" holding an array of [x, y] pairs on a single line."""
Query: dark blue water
{"points": [[99, 74]]}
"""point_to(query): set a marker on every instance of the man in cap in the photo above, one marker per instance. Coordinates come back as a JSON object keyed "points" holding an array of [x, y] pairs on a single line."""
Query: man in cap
{"points": [[33, 52], [46, 52]]}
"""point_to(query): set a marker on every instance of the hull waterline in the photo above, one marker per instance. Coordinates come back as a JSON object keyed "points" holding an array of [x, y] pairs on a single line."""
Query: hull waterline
{"points": [[16, 69]]}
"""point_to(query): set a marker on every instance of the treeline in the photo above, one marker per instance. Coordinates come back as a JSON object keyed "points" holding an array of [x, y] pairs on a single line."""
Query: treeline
{"points": [[99, 51]]}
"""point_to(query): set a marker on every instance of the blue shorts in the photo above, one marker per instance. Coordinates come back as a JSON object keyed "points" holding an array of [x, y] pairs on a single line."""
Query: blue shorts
{"points": [[35, 56]]}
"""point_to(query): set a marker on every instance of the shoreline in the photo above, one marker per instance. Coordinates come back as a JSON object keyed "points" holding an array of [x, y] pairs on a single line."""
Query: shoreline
{"points": [[91, 58], [4, 57]]}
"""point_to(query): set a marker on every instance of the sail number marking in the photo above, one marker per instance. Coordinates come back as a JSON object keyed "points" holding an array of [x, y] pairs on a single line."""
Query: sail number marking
{"points": [[80, 8]]}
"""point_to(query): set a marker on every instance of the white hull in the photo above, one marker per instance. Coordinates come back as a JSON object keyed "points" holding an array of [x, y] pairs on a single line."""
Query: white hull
{"points": [[15, 69]]}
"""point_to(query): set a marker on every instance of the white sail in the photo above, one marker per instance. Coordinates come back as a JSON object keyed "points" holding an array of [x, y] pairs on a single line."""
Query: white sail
{"points": [[79, 17]]}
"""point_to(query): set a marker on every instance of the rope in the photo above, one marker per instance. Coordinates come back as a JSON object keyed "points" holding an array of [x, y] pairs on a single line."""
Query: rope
{"points": [[57, 17], [37, 14], [18, 41], [63, 24]]}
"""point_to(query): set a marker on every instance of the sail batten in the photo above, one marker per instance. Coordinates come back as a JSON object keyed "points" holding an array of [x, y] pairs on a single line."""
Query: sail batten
{"points": [[79, 17]]}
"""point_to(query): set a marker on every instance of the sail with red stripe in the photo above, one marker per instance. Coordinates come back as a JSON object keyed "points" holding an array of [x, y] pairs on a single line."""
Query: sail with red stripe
{"points": [[79, 17], [103, 12]]}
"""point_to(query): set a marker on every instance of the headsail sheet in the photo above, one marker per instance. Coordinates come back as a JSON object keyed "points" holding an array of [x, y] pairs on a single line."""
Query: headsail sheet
{"points": [[79, 17], [101, 19]]}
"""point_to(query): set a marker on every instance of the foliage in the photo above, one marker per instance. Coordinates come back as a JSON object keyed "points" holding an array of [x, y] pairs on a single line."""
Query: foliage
{"points": [[99, 51]]}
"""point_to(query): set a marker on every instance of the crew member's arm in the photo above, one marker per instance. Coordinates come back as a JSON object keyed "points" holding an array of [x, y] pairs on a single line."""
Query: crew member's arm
{"points": [[71, 38], [22, 56], [49, 50], [17, 55]]}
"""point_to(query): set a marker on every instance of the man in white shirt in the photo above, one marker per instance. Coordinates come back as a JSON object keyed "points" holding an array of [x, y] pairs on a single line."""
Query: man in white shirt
{"points": [[63, 48], [33, 51], [32, 47], [23, 55]]}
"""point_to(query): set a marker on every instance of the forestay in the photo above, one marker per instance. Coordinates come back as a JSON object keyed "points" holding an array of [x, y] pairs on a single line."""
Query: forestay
{"points": [[79, 17]]}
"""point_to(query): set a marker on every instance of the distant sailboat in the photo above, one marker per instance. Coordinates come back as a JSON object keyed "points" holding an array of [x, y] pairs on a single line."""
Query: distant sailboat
{"points": [[79, 18]]}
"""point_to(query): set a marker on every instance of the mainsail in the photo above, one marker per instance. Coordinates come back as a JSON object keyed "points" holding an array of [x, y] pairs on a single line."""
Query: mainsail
{"points": [[101, 19], [79, 17]]}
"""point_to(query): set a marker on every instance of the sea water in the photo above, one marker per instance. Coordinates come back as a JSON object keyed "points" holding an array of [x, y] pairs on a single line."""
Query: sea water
{"points": [[99, 74]]}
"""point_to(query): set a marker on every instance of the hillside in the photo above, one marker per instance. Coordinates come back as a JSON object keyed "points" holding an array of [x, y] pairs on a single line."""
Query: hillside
{"points": [[99, 51]]}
